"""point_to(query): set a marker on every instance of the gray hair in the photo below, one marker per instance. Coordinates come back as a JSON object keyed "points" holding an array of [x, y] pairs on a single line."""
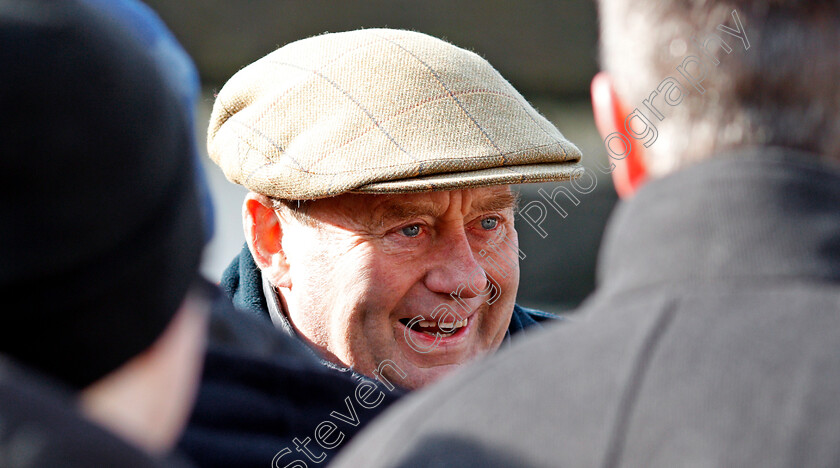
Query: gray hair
{"points": [[297, 209], [782, 87]]}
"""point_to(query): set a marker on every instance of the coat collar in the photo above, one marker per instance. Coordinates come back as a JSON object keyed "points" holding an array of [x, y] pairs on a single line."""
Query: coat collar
{"points": [[762, 212]]}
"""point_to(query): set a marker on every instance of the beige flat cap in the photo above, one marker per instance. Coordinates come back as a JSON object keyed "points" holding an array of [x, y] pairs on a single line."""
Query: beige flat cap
{"points": [[379, 111]]}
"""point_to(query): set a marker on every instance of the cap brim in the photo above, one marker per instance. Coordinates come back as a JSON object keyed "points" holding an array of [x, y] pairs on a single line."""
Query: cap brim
{"points": [[523, 174]]}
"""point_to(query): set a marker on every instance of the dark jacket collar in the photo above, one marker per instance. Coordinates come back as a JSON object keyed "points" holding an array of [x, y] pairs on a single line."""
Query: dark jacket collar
{"points": [[755, 213]]}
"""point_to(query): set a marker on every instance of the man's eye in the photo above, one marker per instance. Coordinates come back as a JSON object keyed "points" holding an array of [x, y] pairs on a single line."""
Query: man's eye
{"points": [[489, 223], [411, 231]]}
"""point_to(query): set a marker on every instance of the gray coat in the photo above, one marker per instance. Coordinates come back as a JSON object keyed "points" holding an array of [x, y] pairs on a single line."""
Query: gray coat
{"points": [[713, 340]]}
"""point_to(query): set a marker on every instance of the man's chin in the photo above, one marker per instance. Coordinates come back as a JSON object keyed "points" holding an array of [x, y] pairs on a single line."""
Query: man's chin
{"points": [[418, 377], [425, 369]]}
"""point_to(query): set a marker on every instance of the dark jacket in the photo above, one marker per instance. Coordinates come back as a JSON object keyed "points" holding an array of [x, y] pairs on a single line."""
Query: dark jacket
{"points": [[713, 339], [243, 283], [260, 390]]}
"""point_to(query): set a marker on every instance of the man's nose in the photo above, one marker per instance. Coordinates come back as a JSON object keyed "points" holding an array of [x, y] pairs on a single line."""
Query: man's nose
{"points": [[455, 267]]}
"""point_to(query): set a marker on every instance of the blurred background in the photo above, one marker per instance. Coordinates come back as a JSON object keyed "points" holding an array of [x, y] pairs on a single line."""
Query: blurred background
{"points": [[546, 48]]}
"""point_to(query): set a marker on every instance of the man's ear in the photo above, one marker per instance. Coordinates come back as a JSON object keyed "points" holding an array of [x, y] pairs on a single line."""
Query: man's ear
{"points": [[264, 235], [610, 112]]}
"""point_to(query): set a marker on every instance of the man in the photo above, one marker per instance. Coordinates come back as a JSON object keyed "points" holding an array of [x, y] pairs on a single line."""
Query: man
{"points": [[379, 225], [103, 326], [713, 336]]}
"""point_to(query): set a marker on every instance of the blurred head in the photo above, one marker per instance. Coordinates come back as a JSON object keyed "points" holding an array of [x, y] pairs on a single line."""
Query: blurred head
{"points": [[781, 90], [379, 163], [102, 227], [147, 400]]}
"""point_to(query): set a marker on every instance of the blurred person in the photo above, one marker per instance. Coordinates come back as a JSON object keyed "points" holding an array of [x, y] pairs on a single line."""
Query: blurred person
{"points": [[713, 336], [104, 322], [380, 219], [261, 393], [104, 218]]}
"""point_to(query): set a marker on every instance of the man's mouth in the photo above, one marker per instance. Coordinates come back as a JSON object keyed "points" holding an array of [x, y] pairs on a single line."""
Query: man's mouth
{"points": [[433, 328]]}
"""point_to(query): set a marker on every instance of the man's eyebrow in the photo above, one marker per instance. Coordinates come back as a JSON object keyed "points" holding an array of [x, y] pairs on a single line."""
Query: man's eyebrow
{"points": [[500, 202], [400, 211]]}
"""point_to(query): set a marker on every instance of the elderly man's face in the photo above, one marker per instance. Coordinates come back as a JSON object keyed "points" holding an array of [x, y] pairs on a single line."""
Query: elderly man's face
{"points": [[353, 282]]}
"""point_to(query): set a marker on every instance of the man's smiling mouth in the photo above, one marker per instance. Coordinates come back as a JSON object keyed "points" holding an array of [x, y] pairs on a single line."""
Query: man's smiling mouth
{"points": [[433, 328]]}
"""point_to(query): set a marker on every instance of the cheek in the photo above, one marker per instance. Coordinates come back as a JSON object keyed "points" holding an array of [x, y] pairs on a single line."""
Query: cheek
{"points": [[363, 286], [503, 266], [511, 282], [326, 260], [305, 253], [394, 271], [501, 260]]}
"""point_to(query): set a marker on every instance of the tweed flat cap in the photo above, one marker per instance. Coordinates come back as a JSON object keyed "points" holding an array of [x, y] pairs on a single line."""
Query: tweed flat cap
{"points": [[379, 111]]}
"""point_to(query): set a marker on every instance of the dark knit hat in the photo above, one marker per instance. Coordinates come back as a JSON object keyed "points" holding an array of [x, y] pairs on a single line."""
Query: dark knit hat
{"points": [[100, 225]]}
